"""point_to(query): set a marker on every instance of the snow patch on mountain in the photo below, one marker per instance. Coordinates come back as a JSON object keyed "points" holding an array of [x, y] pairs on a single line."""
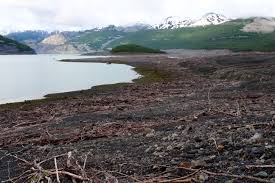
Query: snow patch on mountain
{"points": [[177, 22], [174, 23], [210, 19]]}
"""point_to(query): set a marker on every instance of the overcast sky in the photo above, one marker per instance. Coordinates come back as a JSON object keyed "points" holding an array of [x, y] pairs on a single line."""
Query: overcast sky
{"points": [[81, 14]]}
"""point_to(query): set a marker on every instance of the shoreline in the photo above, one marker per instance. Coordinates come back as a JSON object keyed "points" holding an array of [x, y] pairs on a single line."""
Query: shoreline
{"points": [[147, 75], [206, 118]]}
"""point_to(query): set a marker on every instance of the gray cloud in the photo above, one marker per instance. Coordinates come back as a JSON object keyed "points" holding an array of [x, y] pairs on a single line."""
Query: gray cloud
{"points": [[81, 14]]}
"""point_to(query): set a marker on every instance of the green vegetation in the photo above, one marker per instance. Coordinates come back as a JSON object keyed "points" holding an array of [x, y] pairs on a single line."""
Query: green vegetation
{"points": [[133, 48], [150, 75], [224, 36], [19, 46]]}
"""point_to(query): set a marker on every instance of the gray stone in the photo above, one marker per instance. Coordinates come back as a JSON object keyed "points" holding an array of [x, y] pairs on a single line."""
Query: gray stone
{"points": [[255, 138], [261, 174], [151, 134], [158, 148], [202, 177], [257, 150], [148, 149], [198, 163], [169, 148]]}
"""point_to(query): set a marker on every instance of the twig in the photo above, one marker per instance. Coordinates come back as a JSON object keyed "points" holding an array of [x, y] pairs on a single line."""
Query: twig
{"points": [[15, 179], [56, 170], [238, 109], [216, 145], [85, 161], [259, 166], [133, 178], [23, 160], [209, 99], [250, 125], [238, 176], [181, 178], [230, 175], [68, 174], [58, 156], [9, 173]]}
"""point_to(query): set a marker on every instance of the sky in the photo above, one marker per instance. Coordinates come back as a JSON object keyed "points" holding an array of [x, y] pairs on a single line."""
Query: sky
{"points": [[18, 15]]}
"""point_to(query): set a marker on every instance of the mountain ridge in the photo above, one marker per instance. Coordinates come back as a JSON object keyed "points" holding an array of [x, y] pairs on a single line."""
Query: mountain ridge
{"points": [[212, 31]]}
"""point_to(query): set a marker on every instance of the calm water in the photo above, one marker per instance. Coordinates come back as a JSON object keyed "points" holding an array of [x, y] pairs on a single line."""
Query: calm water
{"points": [[25, 77]]}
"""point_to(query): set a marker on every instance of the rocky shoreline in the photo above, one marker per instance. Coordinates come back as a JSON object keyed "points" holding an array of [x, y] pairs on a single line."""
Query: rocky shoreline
{"points": [[190, 119]]}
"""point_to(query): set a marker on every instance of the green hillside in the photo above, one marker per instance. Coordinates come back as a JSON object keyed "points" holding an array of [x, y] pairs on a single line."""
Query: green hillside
{"points": [[96, 39], [224, 36], [13, 46]]}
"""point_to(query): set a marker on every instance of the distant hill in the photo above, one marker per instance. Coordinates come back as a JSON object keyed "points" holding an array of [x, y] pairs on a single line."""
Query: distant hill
{"points": [[8, 46], [29, 36]]}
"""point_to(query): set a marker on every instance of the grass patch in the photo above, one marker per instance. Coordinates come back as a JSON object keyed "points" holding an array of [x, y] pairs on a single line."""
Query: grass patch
{"points": [[133, 48], [150, 75]]}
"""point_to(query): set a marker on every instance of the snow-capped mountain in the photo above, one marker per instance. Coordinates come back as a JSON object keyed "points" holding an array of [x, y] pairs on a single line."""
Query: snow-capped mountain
{"points": [[174, 23], [177, 22], [210, 19]]}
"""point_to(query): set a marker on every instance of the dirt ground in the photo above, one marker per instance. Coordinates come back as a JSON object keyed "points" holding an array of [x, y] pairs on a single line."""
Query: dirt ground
{"points": [[203, 118]]}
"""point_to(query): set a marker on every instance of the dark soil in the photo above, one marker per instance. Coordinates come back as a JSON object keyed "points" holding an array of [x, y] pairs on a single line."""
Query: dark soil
{"points": [[197, 114]]}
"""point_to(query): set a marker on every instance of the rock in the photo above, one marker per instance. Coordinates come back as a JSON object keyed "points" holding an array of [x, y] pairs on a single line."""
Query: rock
{"points": [[179, 145], [185, 164], [169, 148], [272, 112], [202, 177], [261, 174], [174, 135], [148, 149], [255, 138], [272, 180], [175, 161], [158, 148], [151, 134], [220, 147], [230, 181], [257, 151], [273, 174], [159, 154], [198, 163], [197, 139]]}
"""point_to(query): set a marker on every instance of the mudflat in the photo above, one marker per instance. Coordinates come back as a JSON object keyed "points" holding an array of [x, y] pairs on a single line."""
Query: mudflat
{"points": [[201, 118]]}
